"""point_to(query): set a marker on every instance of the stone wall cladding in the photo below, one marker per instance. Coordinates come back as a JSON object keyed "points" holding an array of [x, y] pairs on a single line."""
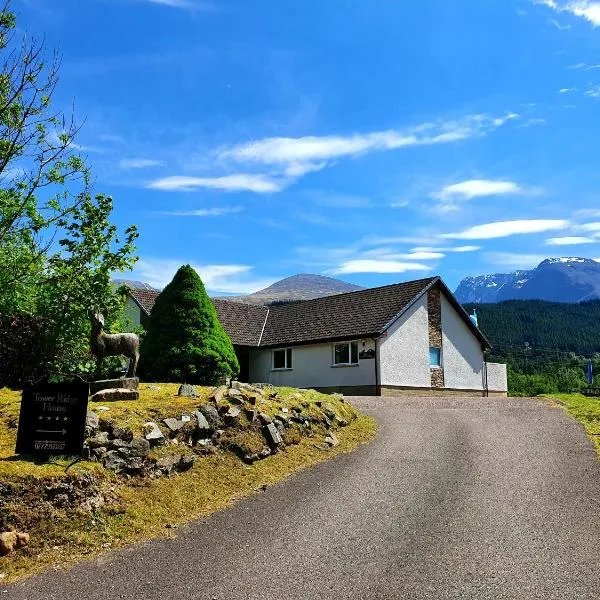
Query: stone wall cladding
{"points": [[434, 312]]}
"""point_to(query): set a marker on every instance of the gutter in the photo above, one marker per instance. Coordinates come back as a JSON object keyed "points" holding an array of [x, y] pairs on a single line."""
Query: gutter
{"points": [[263, 327], [377, 383]]}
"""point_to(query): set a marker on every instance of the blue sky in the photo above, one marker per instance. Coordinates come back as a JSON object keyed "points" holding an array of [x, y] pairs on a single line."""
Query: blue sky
{"points": [[372, 140]]}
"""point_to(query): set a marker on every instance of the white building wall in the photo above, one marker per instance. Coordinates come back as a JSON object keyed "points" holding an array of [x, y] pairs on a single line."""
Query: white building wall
{"points": [[404, 352], [312, 368], [496, 377], [462, 355], [132, 313]]}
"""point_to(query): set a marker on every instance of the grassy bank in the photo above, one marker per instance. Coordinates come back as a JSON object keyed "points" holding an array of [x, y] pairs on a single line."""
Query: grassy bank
{"points": [[140, 508], [586, 411]]}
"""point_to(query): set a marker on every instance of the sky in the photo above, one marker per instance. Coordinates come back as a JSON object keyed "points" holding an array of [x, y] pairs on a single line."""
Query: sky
{"points": [[376, 141]]}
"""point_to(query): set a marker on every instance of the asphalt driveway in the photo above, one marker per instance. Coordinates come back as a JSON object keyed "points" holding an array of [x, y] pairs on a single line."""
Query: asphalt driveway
{"points": [[456, 498]]}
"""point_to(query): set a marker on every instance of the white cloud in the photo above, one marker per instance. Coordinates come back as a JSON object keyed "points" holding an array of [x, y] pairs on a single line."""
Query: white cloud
{"points": [[378, 266], [452, 249], [586, 9], [297, 156], [231, 183], [206, 212], [186, 4], [584, 67], [474, 188], [567, 90], [593, 92], [590, 227], [514, 261], [570, 241], [232, 279], [502, 229], [139, 163]]}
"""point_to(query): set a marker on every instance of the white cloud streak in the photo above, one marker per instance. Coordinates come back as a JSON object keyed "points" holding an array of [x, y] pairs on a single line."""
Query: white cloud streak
{"points": [[514, 260], [378, 266], [139, 163], [475, 188], [585, 9], [570, 241], [451, 249], [500, 229], [206, 212], [260, 184]]}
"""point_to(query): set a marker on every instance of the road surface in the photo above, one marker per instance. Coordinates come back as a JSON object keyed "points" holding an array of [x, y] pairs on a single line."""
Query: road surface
{"points": [[456, 498]]}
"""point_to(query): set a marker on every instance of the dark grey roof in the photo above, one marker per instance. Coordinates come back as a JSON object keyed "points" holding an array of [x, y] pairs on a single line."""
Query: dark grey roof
{"points": [[243, 323]]}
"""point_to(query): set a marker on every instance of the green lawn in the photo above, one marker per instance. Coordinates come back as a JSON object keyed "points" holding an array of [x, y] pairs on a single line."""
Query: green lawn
{"points": [[585, 410]]}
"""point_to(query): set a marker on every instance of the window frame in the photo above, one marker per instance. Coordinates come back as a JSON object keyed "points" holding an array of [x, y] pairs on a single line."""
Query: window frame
{"points": [[288, 359], [440, 365], [349, 345]]}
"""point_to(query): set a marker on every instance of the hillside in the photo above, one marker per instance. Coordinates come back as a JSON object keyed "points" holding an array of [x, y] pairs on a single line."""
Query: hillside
{"points": [[568, 279], [304, 286]]}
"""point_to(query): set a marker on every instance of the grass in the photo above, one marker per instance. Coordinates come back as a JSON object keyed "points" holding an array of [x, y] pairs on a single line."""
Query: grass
{"points": [[142, 509], [586, 411]]}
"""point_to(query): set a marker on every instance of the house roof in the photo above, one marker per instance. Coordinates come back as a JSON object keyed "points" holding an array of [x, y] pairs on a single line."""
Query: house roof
{"points": [[359, 314]]}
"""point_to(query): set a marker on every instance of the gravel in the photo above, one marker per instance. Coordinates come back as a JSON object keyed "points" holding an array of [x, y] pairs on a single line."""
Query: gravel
{"points": [[456, 498]]}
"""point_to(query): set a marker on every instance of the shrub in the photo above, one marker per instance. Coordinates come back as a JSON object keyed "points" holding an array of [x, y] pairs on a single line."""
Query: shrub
{"points": [[184, 340]]}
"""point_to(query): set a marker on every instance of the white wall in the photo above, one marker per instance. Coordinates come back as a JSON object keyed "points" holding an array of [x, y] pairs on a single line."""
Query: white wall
{"points": [[496, 374], [404, 352], [462, 356], [312, 368]]}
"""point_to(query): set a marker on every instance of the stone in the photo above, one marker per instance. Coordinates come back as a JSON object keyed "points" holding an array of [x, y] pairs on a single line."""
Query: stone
{"points": [[114, 461], [140, 447], [185, 418], [122, 433], [11, 541], [284, 418], [332, 440], [128, 383], [115, 394], [99, 453], [118, 444], [265, 418], [186, 462], [154, 435], [251, 415], [174, 425], [203, 424], [153, 387], [135, 464], [235, 395], [218, 394], [279, 426], [92, 422], [252, 398], [211, 414], [99, 440], [232, 414], [264, 453], [272, 435], [166, 464], [187, 390]]}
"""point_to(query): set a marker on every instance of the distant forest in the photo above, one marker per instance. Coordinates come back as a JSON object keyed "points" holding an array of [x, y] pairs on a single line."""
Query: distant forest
{"points": [[546, 345]]}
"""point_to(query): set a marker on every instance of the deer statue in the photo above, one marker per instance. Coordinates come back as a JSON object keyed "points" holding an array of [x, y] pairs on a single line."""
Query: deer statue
{"points": [[113, 344]]}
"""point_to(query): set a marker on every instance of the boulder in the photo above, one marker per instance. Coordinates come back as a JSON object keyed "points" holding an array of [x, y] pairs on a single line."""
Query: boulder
{"points": [[118, 444], [122, 433], [99, 440], [99, 453], [218, 394], [211, 414], [174, 425], [167, 464], [265, 418], [204, 427], [11, 541], [114, 461], [140, 447], [272, 435], [187, 390], [235, 395], [115, 394], [92, 422], [233, 414], [154, 435]]}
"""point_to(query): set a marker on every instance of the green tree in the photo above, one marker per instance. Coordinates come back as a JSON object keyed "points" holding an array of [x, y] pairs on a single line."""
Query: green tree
{"points": [[184, 339]]}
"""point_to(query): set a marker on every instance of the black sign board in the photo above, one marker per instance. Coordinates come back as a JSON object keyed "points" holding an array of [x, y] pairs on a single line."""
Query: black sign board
{"points": [[52, 419]]}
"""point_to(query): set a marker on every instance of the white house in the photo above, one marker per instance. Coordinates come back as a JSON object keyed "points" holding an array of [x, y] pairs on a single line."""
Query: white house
{"points": [[411, 337]]}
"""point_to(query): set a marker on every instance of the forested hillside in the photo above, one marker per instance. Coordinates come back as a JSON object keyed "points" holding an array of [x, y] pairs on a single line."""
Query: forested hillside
{"points": [[545, 344]]}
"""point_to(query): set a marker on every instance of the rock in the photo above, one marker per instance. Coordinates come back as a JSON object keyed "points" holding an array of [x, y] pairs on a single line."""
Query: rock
{"points": [[279, 426], [140, 447], [251, 415], [114, 461], [128, 383], [99, 453], [174, 425], [92, 423], [122, 433], [187, 390], [203, 424], [232, 414], [118, 444], [153, 387], [252, 397], [106, 425], [272, 435], [155, 435], [11, 541], [186, 462], [218, 394], [235, 395], [284, 418], [115, 394], [99, 440], [265, 418], [211, 414], [135, 463], [264, 453], [166, 464], [332, 440]]}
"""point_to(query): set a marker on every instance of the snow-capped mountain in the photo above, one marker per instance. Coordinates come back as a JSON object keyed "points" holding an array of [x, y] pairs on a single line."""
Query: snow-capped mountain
{"points": [[566, 279]]}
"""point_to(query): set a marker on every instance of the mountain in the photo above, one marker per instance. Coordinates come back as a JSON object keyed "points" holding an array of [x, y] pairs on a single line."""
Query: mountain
{"points": [[568, 279], [298, 287], [132, 284]]}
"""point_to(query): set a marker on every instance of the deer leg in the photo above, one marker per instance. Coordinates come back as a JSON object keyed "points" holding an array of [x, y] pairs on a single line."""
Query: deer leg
{"points": [[99, 361]]}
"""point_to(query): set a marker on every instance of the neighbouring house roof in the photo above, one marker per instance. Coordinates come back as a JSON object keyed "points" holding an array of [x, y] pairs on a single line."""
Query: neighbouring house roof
{"points": [[360, 314]]}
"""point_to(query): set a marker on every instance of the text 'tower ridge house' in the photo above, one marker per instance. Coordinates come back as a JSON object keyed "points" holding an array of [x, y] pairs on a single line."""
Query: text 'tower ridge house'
{"points": [[411, 337]]}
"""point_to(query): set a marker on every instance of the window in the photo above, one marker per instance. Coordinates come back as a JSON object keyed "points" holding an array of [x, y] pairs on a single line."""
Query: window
{"points": [[345, 354], [435, 356], [282, 359]]}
